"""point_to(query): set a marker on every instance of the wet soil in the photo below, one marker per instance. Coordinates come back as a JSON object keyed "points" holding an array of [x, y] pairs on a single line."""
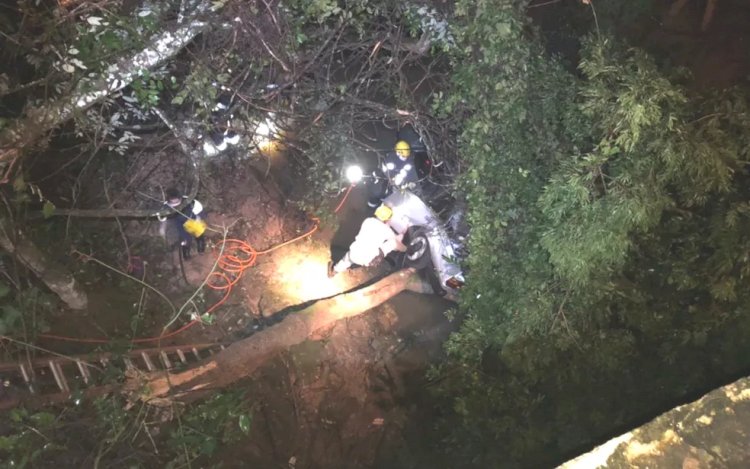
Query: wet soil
{"points": [[342, 401], [346, 400]]}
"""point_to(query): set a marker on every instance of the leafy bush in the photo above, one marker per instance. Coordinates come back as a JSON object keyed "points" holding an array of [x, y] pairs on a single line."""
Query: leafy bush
{"points": [[224, 418], [27, 445], [608, 226]]}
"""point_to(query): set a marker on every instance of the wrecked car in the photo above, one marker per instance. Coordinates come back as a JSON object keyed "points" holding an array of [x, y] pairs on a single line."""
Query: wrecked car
{"points": [[431, 248]]}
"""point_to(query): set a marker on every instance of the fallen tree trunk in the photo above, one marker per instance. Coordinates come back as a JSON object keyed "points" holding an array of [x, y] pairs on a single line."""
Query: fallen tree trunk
{"points": [[242, 358], [57, 278]]}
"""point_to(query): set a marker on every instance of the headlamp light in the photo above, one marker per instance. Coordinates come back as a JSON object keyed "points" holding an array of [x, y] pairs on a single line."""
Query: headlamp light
{"points": [[354, 174]]}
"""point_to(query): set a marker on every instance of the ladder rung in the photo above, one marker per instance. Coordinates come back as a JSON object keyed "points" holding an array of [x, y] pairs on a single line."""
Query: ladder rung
{"points": [[147, 361], [195, 352], [181, 355], [165, 360], [26, 377], [83, 368], [57, 372], [24, 373]]}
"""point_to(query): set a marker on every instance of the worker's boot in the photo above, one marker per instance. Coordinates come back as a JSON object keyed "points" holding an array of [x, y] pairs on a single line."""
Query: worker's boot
{"points": [[200, 244], [185, 251], [231, 137]]}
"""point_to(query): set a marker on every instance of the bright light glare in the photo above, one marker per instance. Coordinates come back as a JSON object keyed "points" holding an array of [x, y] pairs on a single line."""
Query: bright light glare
{"points": [[264, 129], [354, 174], [266, 132], [303, 276]]}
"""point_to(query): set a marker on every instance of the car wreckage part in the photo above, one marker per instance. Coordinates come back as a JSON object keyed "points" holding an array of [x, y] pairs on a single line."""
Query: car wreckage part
{"points": [[455, 282]]}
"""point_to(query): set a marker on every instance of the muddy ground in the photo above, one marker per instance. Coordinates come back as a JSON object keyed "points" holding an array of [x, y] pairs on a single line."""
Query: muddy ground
{"points": [[346, 400], [343, 401]]}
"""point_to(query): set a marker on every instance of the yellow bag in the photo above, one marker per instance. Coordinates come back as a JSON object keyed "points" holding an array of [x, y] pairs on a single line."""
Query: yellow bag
{"points": [[195, 228]]}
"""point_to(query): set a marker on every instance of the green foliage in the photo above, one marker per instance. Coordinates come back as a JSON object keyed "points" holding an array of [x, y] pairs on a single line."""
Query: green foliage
{"points": [[115, 433], [24, 312], [648, 157], [98, 38], [147, 89], [321, 10], [330, 11], [112, 421], [11, 316], [421, 20], [81, 43], [199, 88], [518, 118], [10, 319], [329, 150], [609, 226], [222, 419], [26, 445], [48, 208]]}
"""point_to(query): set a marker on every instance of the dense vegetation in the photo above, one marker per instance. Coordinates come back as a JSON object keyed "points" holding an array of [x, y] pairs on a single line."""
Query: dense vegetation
{"points": [[608, 207], [607, 199]]}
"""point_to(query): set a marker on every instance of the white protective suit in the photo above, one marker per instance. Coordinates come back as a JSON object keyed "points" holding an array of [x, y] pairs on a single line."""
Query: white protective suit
{"points": [[373, 238]]}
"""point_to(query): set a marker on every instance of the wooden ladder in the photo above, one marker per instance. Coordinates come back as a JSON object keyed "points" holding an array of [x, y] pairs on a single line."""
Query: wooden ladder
{"points": [[53, 379]]}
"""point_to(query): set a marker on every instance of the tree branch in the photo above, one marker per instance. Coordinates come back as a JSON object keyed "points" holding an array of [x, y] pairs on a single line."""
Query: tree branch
{"points": [[40, 120], [193, 155], [242, 358]]}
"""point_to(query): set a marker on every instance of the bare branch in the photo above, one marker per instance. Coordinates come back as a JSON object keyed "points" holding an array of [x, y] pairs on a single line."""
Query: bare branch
{"points": [[190, 151], [40, 120]]}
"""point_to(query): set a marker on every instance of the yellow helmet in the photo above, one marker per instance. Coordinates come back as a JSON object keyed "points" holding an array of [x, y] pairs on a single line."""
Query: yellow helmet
{"points": [[383, 213], [403, 150]]}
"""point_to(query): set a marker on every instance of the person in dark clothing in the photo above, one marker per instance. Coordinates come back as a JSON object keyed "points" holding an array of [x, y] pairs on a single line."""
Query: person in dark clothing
{"points": [[188, 222], [222, 133], [398, 170]]}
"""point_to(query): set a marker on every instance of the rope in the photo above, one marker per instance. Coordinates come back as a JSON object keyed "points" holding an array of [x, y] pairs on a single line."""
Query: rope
{"points": [[237, 257]]}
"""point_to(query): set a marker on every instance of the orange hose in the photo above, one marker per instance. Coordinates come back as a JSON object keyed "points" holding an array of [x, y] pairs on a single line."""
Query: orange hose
{"points": [[346, 195], [237, 257]]}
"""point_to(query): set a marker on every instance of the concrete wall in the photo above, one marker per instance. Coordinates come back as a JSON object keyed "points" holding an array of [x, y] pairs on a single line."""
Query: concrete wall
{"points": [[712, 432]]}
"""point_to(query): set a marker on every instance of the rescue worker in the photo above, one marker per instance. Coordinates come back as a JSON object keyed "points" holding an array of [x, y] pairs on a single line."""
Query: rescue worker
{"points": [[398, 170], [188, 222], [222, 134], [375, 240]]}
